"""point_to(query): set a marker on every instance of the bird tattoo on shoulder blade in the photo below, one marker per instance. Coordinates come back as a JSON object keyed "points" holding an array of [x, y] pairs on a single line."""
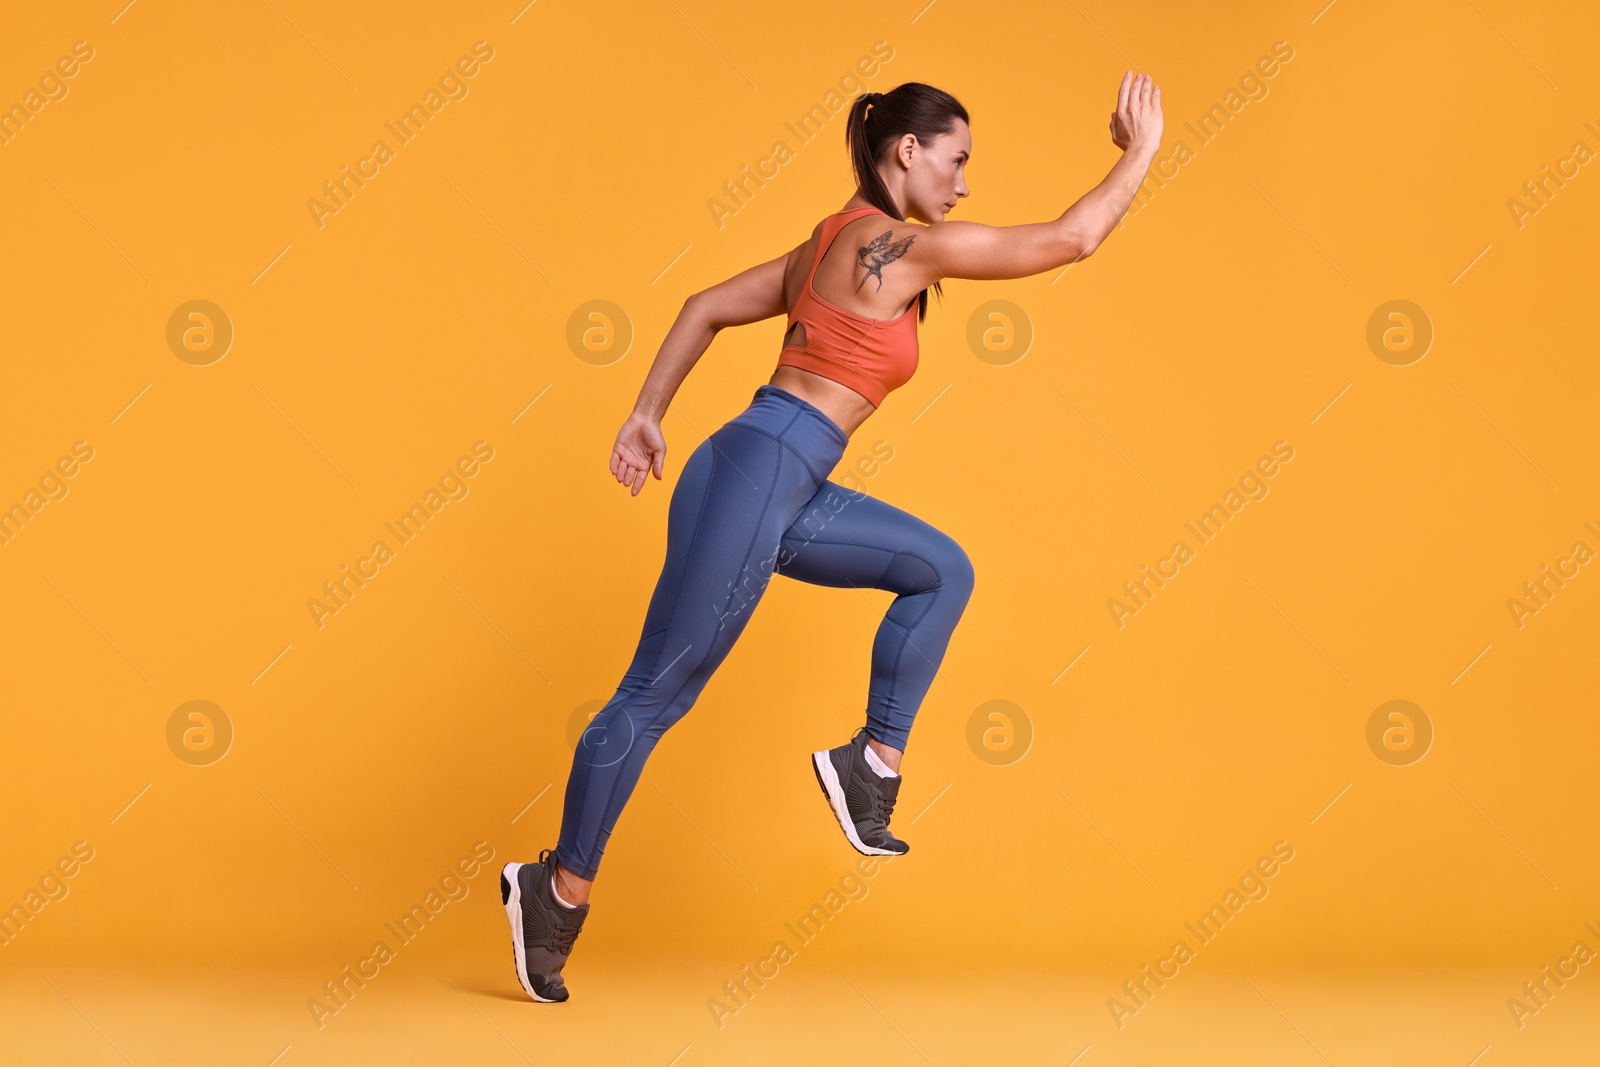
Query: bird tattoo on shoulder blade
{"points": [[879, 253]]}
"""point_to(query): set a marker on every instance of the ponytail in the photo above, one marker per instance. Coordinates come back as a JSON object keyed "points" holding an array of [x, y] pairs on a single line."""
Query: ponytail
{"points": [[878, 120]]}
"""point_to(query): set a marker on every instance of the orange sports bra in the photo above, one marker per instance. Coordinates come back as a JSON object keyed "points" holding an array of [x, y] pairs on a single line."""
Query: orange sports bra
{"points": [[871, 356]]}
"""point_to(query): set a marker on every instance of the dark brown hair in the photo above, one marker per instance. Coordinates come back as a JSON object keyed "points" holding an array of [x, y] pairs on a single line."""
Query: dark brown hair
{"points": [[913, 108]]}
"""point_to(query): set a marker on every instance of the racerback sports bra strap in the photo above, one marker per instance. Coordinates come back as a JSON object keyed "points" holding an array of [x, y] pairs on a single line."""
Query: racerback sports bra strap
{"points": [[828, 236], [871, 356]]}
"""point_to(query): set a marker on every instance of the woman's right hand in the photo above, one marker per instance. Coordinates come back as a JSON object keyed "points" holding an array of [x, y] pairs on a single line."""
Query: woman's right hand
{"points": [[639, 448], [1137, 119]]}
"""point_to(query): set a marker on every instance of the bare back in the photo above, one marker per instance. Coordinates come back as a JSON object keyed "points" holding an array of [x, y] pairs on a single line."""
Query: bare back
{"points": [[864, 273], [875, 285]]}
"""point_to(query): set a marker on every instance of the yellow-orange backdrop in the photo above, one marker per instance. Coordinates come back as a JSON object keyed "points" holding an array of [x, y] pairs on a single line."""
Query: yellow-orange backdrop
{"points": [[1433, 457]]}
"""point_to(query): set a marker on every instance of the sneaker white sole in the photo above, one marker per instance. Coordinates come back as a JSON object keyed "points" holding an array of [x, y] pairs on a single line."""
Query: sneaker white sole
{"points": [[829, 777], [514, 914]]}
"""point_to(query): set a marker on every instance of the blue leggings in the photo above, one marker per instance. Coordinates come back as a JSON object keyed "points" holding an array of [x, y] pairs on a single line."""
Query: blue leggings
{"points": [[754, 499]]}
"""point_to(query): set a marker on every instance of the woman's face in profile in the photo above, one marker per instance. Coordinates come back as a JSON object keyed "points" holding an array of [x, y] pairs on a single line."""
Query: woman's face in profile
{"points": [[936, 178]]}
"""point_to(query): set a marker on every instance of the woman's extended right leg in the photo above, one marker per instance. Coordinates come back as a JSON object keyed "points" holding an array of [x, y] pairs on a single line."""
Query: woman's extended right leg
{"points": [[739, 491]]}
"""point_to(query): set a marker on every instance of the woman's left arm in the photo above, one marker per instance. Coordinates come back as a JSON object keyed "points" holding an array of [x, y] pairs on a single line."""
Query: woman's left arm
{"points": [[749, 296]]}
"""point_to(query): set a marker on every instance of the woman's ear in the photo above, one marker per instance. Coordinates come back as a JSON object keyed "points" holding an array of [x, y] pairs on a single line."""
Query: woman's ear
{"points": [[906, 149]]}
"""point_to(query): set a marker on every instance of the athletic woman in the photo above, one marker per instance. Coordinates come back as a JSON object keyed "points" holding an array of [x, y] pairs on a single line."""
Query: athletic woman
{"points": [[754, 498]]}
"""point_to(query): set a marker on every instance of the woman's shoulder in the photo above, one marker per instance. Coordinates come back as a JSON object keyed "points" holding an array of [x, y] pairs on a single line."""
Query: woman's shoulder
{"points": [[876, 233], [879, 240], [871, 267]]}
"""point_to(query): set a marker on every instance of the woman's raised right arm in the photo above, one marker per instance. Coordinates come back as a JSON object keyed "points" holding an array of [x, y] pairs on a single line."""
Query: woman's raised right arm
{"points": [[974, 250]]}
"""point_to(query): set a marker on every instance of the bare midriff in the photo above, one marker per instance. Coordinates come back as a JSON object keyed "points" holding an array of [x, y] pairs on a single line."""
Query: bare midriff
{"points": [[846, 407]]}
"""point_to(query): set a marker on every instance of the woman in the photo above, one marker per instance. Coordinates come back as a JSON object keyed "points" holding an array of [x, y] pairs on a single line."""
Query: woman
{"points": [[755, 499]]}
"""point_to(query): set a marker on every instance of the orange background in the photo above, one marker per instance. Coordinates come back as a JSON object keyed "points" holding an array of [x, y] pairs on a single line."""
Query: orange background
{"points": [[433, 711]]}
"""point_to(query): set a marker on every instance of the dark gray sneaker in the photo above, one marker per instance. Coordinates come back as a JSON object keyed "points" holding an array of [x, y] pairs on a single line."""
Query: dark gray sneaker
{"points": [[859, 799], [542, 931]]}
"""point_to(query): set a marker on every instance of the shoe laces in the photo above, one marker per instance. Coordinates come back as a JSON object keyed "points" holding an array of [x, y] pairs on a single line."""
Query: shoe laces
{"points": [[562, 939], [882, 791], [563, 934], [883, 798], [888, 805]]}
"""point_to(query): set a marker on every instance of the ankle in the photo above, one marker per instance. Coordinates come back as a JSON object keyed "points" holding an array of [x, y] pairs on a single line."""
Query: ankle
{"points": [[884, 761], [570, 890]]}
